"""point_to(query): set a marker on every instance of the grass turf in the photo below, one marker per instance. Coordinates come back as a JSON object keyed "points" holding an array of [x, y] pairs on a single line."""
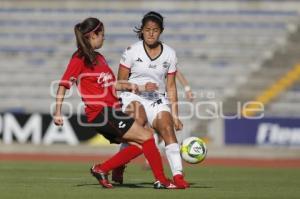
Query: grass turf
{"points": [[32, 180]]}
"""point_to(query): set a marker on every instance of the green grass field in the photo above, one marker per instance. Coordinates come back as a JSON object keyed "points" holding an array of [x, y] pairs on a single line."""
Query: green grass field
{"points": [[32, 180]]}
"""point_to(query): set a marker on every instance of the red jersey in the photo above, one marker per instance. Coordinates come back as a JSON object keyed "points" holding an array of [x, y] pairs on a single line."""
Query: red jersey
{"points": [[95, 84]]}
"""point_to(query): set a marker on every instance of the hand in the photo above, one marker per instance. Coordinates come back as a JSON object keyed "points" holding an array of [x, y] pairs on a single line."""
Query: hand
{"points": [[178, 124], [132, 87], [149, 87], [189, 95], [58, 120], [135, 88]]}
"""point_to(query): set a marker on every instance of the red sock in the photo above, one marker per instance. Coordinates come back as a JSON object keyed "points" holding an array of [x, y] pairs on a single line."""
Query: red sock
{"points": [[121, 158], [153, 156]]}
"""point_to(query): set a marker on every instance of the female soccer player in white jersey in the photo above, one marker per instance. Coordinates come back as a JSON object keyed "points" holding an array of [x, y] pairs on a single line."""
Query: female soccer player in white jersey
{"points": [[150, 60]]}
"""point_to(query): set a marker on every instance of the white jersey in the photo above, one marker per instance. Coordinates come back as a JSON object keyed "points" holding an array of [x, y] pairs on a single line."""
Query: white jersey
{"points": [[143, 69]]}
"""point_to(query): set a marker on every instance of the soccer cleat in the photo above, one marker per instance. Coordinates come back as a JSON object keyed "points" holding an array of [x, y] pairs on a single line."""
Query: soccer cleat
{"points": [[180, 182], [101, 177], [117, 174], [164, 185]]}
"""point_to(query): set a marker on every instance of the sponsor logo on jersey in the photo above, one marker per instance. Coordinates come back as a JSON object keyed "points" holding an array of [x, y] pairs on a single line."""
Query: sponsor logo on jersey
{"points": [[122, 125], [157, 102], [166, 64], [139, 60], [105, 79], [152, 66]]}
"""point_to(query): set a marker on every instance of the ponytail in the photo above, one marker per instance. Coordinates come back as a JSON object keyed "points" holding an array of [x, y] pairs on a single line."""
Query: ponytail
{"points": [[82, 31]]}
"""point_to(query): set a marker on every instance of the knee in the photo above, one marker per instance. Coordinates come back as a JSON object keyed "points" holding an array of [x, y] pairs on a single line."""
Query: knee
{"points": [[144, 136], [167, 130], [168, 134], [141, 121]]}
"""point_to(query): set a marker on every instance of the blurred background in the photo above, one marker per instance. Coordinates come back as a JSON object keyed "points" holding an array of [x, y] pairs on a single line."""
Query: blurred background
{"points": [[232, 52]]}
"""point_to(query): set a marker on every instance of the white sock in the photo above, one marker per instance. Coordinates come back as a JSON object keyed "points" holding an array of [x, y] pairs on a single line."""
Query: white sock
{"points": [[160, 144], [155, 136], [174, 158]]}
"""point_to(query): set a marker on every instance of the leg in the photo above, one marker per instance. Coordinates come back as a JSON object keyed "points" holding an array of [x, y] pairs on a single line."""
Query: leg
{"points": [[163, 123], [110, 128], [100, 171], [137, 111], [145, 137], [131, 131]]}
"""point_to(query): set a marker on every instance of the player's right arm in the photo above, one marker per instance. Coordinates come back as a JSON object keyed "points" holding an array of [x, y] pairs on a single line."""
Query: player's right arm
{"points": [[125, 65], [58, 120], [123, 75], [125, 68], [70, 76]]}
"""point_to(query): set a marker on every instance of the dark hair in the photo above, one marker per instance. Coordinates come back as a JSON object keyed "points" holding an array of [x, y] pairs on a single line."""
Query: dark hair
{"points": [[150, 16], [82, 32]]}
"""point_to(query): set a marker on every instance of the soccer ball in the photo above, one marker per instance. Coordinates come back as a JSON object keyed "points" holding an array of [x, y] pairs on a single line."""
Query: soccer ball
{"points": [[193, 150]]}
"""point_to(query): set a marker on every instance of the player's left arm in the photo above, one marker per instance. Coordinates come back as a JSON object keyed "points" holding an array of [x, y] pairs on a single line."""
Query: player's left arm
{"points": [[187, 89], [124, 85], [172, 96]]}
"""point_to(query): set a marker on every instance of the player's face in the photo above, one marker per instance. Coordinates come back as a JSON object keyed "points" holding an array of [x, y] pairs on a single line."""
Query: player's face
{"points": [[151, 32], [97, 41]]}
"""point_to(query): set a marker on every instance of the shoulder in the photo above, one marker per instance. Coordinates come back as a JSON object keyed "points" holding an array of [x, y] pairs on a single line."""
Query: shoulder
{"points": [[102, 58], [169, 50], [76, 58], [138, 44], [134, 47], [131, 51], [99, 55]]}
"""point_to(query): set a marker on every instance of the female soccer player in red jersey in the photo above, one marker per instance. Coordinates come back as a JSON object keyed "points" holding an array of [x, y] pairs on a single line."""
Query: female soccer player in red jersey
{"points": [[97, 86], [152, 64]]}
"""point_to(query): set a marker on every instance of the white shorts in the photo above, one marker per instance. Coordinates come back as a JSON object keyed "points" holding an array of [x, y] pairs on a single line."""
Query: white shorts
{"points": [[152, 104]]}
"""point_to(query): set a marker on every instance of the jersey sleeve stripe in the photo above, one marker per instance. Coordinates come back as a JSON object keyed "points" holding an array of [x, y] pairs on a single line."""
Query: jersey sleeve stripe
{"points": [[123, 66], [65, 83], [173, 73]]}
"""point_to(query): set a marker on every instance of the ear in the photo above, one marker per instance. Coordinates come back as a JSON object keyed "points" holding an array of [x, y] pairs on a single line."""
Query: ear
{"points": [[93, 35]]}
